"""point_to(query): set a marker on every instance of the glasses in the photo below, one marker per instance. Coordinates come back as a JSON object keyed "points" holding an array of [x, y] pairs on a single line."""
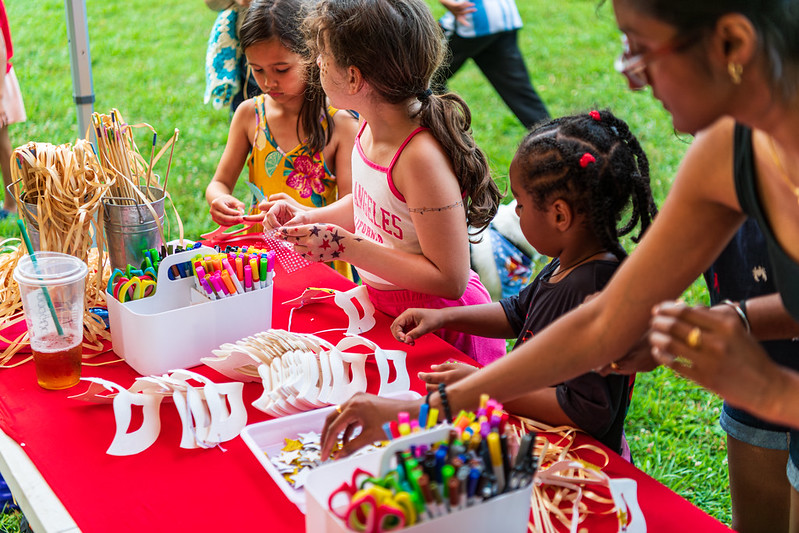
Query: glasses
{"points": [[633, 66]]}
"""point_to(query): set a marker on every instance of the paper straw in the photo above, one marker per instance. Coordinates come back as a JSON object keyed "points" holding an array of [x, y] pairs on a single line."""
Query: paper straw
{"points": [[29, 246]]}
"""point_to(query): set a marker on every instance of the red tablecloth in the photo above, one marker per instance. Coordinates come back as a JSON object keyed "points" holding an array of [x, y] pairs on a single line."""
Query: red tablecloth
{"points": [[166, 488]]}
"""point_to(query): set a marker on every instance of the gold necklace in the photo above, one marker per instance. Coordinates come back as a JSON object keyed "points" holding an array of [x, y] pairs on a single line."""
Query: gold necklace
{"points": [[783, 173], [575, 264]]}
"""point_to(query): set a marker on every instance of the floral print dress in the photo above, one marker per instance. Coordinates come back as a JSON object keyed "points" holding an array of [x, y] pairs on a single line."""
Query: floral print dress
{"points": [[301, 174]]}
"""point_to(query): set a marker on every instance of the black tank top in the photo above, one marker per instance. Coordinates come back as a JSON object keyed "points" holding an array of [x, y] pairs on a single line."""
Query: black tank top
{"points": [[786, 271]]}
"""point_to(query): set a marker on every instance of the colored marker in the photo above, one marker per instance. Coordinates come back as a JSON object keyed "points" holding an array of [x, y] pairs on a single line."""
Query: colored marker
{"points": [[423, 412], [495, 449], [247, 278]]}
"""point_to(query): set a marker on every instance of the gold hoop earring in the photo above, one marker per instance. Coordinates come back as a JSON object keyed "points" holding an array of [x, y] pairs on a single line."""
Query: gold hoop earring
{"points": [[735, 70]]}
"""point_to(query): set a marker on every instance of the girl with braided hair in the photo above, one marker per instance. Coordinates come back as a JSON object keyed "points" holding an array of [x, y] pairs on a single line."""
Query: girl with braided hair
{"points": [[573, 179], [418, 178]]}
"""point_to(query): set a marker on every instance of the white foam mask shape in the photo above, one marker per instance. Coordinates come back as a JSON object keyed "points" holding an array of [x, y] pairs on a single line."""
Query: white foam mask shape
{"points": [[132, 442], [401, 383], [341, 365], [625, 495], [219, 424], [234, 362], [346, 301]]}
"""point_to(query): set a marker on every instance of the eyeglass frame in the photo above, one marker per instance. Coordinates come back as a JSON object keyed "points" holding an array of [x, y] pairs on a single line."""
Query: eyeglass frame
{"points": [[633, 66]]}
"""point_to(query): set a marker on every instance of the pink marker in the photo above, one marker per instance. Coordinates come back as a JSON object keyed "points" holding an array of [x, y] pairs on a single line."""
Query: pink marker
{"points": [[247, 278], [219, 287]]}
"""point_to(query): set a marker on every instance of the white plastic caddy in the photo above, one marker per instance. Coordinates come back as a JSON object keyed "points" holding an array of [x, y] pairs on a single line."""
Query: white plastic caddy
{"points": [[176, 327], [507, 513]]}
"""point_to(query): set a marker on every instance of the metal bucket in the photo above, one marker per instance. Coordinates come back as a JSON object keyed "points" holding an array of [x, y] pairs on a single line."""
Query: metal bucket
{"points": [[31, 217], [131, 229]]}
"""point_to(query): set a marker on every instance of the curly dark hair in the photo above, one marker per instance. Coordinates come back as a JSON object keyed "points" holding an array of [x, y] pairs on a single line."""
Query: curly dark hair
{"points": [[398, 46], [601, 185]]}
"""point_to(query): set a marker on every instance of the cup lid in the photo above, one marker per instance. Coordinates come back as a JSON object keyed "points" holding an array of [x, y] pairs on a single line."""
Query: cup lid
{"points": [[50, 268]]}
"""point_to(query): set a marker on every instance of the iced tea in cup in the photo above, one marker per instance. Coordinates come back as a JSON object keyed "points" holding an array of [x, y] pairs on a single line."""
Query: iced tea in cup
{"points": [[53, 286]]}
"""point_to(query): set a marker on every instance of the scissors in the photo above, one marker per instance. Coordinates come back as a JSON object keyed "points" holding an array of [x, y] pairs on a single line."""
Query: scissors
{"points": [[375, 505], [134, 288], [377, 509]]}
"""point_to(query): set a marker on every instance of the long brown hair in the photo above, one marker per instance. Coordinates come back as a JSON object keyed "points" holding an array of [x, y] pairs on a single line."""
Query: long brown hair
{"points": [[398, 46]]}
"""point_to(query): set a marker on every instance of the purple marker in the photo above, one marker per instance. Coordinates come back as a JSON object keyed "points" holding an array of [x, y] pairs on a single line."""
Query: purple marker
{"points": [[204, 284]]}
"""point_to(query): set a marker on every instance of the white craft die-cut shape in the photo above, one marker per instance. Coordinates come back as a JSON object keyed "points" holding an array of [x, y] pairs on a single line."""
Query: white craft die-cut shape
{"points": [[326, 383], [357, 323], [341, 365], [309, 391], [402, 381], [624, 492], [133, 442], [188, 438]]}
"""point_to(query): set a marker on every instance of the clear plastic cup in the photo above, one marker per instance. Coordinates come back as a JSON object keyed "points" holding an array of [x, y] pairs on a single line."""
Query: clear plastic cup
{"points": [[53, 286]]}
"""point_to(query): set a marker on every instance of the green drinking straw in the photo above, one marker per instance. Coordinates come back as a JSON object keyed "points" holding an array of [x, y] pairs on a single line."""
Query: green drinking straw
{"points": [[29, 246]]}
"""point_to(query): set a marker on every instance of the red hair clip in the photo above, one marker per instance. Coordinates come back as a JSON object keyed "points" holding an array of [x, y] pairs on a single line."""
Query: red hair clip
{"points": [[587, 159], [595, 115]]}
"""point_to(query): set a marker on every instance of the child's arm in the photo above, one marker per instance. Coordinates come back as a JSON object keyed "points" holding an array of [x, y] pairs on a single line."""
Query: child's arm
{"points": [[339, 150], [226, 210], [485, 320], [282, 214]]}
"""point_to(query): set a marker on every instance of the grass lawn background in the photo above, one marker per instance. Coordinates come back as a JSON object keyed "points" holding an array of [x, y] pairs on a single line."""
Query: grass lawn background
{"points": [[148, 62]]}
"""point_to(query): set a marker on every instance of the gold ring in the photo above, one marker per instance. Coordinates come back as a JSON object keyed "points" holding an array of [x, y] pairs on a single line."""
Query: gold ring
{"points": [[338, 409], [694, 339]]}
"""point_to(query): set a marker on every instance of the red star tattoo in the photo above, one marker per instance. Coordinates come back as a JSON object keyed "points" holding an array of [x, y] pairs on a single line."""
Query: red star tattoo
{"points": [[325, 245]]}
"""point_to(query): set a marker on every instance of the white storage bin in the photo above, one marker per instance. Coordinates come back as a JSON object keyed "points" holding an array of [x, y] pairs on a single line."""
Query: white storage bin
{"points": [[176, 326], [507, 513], [267, 439]]}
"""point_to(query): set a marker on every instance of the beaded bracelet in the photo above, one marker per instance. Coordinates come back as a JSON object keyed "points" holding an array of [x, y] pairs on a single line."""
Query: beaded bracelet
{"points": [[442, 391], [740, 308]]}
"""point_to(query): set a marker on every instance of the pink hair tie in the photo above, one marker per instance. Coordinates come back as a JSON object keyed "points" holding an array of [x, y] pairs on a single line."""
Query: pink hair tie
{"points": [[587, 159], [595, 115]]}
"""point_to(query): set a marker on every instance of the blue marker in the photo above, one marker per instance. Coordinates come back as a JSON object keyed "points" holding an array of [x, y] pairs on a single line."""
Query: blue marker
{"points": [[423, 413], [387, 430], [471, 487]]}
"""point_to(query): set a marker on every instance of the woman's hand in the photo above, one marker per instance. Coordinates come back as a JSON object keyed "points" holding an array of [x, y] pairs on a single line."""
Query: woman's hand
{"points": [[714, 350], [446, 373], [364, 412], [318, 242], [415, 322], [226, 210]]}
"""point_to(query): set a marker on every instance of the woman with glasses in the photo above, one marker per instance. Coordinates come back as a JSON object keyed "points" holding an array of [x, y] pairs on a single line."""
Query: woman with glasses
{"points": [[728, 71]]}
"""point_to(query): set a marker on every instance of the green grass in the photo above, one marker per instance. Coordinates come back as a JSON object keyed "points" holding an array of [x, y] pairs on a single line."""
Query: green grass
{"points": [[148, 62]]}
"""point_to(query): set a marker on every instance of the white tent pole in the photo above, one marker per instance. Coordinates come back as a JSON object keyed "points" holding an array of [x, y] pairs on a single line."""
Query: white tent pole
{"points": [[80, 62]]}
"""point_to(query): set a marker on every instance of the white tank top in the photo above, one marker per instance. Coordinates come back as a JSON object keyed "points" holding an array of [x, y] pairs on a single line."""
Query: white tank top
{"points": [[380, 212]]}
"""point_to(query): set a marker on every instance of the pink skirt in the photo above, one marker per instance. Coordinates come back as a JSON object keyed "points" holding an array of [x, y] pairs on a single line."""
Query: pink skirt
{"points": [[12, 99], [481, 349]]}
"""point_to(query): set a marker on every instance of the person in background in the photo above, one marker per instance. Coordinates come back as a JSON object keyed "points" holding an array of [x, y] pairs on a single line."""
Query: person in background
{"points": [[486, 31], [248, 87], [757, 451], [296, 146], [12, 110], [418, 176], [573, 179]]}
